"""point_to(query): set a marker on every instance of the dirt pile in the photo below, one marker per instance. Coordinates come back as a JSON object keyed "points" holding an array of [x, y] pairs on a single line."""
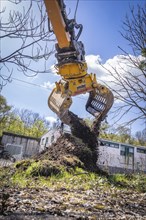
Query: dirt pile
{"points": [[77, 149], [71, 152]]}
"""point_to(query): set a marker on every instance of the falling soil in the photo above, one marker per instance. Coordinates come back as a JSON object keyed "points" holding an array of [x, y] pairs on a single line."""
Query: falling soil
{"points": [[77, 149]]}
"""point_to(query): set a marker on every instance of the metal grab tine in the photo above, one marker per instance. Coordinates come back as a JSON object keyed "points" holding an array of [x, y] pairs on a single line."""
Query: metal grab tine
{"points": [[99, 103]]}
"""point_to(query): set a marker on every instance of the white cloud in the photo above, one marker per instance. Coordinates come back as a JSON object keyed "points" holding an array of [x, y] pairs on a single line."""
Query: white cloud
{"points": [[93, 60], [93, 63], [51, 119], [54, 70], [49, 85], [53, 77], [121, 63], [124, 65], [84, 95]]}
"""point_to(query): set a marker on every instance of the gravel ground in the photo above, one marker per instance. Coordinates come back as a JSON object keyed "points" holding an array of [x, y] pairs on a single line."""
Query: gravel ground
{"points": [[44, 203]]}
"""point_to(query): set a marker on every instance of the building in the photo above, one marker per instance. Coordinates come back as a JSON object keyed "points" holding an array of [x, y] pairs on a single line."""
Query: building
{"points": [[118, 157], [19, 145], [113, 156], [48, 138], [52, 135]]}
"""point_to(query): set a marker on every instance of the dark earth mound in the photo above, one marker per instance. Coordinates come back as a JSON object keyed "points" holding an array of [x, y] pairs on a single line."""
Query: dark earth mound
{"points": [[71, 151], [77, 149]]}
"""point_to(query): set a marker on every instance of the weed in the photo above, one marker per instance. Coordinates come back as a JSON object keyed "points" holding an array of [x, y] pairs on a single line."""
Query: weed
{"points": [[132, 181], [34, 173]]}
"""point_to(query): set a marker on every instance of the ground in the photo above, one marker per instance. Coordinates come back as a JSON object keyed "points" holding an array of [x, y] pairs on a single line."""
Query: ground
{"points": [[64, 182], [97, 203]]}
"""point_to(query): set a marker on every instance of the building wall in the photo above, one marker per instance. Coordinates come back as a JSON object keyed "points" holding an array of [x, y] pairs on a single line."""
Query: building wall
{"points": [[30, 145], [50, 137], [140, 159], [108, 155], [15, 150], [118, 157]]}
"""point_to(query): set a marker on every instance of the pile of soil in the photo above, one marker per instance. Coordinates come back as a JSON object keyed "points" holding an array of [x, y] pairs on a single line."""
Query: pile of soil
{"points": [[77, 149], [71, 152]]}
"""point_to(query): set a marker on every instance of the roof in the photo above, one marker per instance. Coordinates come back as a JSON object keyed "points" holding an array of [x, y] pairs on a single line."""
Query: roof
{"points": [[19, 135], [130, 145]]}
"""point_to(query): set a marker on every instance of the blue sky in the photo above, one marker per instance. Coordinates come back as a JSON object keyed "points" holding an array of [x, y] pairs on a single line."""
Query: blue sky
{"points": [[102, 21]]}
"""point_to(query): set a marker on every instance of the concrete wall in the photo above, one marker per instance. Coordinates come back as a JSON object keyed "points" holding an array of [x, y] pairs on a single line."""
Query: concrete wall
{"points": [[30, 144]]}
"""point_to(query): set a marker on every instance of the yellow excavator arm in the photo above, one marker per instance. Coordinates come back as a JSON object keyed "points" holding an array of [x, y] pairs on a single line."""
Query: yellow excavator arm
{"points": [[72, 68], [55, 16]]}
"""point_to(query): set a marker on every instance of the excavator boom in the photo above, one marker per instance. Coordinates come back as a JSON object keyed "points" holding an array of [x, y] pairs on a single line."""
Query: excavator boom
{"points": [[55, 16], [72, 68]]}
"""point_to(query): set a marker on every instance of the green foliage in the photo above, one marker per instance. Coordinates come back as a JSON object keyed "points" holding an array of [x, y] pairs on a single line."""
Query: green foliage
{"points": [[130, 181], [43, 168], [4, 107], [24, 122], [122, 134], [140, 182], [58, 177], [118, 179], [23, 164], [38, 128], [33, 173], [20, 180], [31, 168], [4, 112], [88, 122], [141, 137]]}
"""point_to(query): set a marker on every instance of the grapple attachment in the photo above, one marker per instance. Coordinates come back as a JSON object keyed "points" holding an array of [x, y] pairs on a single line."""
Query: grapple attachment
{"points": [[99, 102], [59, 103]]}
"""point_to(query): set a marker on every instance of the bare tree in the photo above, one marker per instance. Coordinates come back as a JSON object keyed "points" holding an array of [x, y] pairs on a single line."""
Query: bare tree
{"points": [[29, 118], [134, 30], [141, 136], [128, 78], [24, 37]]}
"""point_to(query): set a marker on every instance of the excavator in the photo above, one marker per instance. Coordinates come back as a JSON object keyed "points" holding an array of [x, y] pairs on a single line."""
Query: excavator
{"points": [[72, 68]]}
